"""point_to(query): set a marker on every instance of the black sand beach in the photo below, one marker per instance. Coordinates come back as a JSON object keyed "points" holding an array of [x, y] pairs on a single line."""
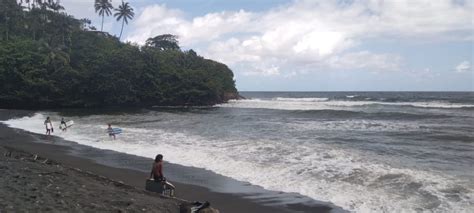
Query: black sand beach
{"points": [[32, 183], [75, 172]]}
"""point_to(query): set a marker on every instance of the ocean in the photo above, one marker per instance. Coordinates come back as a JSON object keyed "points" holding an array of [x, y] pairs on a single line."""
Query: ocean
{"points": [[362, 151]]}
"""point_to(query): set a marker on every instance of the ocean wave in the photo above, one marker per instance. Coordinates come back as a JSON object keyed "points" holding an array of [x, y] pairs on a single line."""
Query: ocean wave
{"points": [[301, 99], [359, 114], [319, 104], [360, 125]]}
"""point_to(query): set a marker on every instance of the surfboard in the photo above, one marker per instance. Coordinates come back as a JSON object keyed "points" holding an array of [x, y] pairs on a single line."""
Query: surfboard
{"points": [[49, 126], [68, 124], [115, 131]]}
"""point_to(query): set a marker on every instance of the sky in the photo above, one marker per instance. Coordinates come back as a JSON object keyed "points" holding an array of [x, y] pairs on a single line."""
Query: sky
{"points": [[315, 45]]}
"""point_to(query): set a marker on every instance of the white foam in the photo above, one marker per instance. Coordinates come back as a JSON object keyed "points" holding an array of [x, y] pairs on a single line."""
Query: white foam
{"points": [[357, 125], [322, 104], [301, 99], [348, 178], [33, 124]]}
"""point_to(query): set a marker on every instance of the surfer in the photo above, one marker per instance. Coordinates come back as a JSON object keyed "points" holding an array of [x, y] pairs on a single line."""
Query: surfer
{"points": [[49, 126], [63, 124], [111, 131], [157, 174]]}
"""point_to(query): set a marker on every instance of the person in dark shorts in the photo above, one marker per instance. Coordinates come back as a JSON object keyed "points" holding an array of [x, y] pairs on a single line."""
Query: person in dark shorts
{"points": [[111, 131], [49, 126], [157, 173]]}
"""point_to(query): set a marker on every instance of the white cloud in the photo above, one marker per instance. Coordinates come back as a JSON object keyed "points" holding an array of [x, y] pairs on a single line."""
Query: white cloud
{"points": [[464, 66], [159, 19], [308, 34], [262, 69], [366, 60], [80, 9]]}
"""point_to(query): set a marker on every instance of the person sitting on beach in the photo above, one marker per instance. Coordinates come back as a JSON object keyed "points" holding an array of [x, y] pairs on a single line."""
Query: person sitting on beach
{"points": [[157, 173], [49, 126], [63, 124], [111, 131]]}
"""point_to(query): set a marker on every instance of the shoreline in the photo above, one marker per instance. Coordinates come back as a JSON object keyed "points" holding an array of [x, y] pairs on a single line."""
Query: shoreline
{"points": [[225, 202]]}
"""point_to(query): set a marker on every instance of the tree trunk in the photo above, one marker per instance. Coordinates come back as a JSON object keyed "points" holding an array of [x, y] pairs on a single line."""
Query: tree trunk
{"points": [[6, 25], [102, 27], [123, 21]]}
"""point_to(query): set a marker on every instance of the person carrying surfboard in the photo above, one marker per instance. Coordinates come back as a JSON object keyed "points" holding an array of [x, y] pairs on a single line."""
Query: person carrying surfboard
{"points": [[63, 124], [111, 131], [157, 174], [49, 126]]}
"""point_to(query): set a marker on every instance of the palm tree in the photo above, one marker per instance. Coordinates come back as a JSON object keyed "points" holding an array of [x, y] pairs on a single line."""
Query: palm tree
{"points": [[55, 5], [28, 2], [103, 7], [38, 3], [124, 12]]}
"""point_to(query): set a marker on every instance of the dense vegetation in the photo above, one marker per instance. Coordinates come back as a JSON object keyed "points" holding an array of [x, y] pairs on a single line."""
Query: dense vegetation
{"points": [[51, 59]]}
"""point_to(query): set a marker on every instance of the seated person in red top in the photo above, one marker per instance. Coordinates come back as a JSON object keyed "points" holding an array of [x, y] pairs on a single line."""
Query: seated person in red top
{"points": [[157, 170], [157, 173]]}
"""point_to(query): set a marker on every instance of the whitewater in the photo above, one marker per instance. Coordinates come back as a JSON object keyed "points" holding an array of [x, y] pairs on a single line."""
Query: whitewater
{"points": [[365, 152]]}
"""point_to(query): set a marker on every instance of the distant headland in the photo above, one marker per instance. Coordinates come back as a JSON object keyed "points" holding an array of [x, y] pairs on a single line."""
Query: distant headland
{"points": [[49, 59]]}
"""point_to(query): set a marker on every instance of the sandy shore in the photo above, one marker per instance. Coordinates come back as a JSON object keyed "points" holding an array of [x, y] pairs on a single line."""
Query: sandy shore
{"points": [[32, 183], [128, 195]]}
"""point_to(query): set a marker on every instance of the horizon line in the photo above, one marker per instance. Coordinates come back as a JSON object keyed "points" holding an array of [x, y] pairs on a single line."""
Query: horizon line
{"points": [[355, 91]]}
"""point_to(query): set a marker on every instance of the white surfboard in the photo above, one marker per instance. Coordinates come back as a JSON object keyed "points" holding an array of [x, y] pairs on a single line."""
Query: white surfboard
{"points": [[68, 124]]}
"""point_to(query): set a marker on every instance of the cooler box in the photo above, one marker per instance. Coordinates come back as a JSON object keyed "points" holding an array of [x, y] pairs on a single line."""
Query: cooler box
{"points": [[153, 186]]}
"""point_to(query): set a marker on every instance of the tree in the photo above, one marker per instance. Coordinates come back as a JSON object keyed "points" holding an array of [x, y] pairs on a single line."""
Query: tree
{"points": [[51, 60], [8, 10], [29, 4], [124, 12], [164, 42], [55, 6], [104, 8]]}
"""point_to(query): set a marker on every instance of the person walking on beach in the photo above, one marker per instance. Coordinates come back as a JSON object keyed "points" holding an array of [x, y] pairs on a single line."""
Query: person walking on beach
{"points": [[111, 131], [157, 174], [49, 126]]}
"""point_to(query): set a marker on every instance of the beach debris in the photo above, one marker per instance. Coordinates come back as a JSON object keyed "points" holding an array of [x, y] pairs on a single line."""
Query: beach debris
{"points": [[50, 173], [118, 183], [198, 207]]}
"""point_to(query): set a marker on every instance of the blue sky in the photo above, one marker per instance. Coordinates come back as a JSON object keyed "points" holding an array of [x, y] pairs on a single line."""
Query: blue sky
{"points": [[316, 45]]}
